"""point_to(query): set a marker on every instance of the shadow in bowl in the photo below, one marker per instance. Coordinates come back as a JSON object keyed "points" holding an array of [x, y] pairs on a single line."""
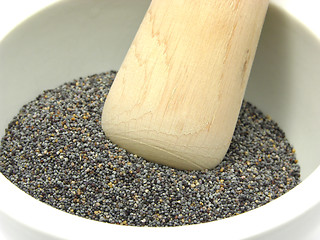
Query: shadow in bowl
{"points": [[287, 55]]}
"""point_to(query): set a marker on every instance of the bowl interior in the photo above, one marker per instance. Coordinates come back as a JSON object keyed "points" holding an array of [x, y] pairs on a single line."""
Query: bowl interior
{"points": [[63, 43], [284, 83], [73, 39]]}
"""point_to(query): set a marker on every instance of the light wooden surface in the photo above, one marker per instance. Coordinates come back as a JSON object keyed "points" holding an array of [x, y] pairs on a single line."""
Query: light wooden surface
{"points": [[178, 93]]}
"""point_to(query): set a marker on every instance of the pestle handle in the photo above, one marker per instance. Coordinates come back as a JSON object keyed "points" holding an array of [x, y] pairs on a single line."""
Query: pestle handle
{"points": [[178, 93]]}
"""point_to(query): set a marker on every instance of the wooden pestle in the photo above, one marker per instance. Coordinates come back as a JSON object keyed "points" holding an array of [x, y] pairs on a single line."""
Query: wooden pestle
{"points": [[177, 96]]}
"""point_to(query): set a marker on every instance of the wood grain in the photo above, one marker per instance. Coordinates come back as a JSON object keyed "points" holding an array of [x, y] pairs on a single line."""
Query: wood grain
{"points": [[178, 93]]}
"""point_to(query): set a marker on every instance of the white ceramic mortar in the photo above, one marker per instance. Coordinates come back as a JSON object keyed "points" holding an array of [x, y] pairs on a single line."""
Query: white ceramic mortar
{"points": [[74, 38]]}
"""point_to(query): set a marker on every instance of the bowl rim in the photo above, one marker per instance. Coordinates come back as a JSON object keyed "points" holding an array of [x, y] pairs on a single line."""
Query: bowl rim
{"points": [[64, 225]]}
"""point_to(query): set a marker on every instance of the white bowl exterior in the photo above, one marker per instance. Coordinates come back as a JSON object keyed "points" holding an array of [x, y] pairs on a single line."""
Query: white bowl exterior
{"points": [[284, 84]]}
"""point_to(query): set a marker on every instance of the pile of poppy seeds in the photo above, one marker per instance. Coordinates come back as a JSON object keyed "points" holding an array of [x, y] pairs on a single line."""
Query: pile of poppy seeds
{"points": [[55, 150]]}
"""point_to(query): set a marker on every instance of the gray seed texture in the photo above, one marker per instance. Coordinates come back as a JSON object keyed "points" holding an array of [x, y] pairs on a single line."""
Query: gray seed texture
{"points": [[55, 150]]}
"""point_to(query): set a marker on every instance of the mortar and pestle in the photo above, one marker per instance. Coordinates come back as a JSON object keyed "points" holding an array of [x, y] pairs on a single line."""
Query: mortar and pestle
{"points": [[277, 86]]}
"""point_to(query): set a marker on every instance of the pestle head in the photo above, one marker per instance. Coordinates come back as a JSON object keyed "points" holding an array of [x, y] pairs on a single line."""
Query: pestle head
{"points": [[178, 93]]}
